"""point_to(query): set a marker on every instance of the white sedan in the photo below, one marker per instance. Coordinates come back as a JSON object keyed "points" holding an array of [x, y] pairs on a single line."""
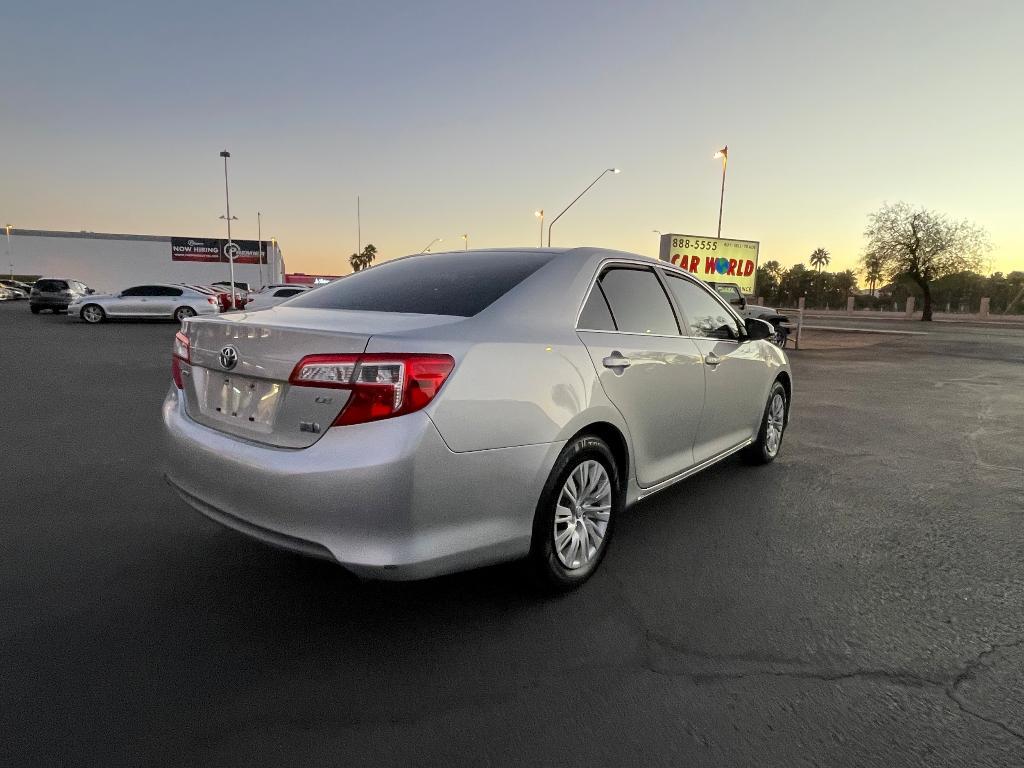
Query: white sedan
{"points": [[154, 301], [274, 295]]}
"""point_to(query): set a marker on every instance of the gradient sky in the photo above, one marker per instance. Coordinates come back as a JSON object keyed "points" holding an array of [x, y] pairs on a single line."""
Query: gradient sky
{"points": [[452, 117]]}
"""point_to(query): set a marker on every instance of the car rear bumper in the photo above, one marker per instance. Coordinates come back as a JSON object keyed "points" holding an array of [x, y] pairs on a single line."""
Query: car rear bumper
{"points": [[387, 499], [49, 302]]}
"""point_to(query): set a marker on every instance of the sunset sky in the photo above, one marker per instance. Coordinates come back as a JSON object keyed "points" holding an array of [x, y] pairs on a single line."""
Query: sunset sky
{"points": [[455, 117]]}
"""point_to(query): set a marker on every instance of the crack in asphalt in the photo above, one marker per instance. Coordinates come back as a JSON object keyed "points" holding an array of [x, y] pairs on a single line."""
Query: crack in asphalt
{"points": [[799, 671], [967, 673]]}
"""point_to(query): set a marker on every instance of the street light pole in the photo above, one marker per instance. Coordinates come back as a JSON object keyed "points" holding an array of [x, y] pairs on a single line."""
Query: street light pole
{"points": [[465, 239], [435, 240], [581, 194], [10, 259], [229, 250], [259, 243], [724, 154], [540, 215], [277, 264]]}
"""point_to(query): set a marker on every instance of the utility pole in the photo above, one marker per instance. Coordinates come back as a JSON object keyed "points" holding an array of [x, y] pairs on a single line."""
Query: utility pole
{"points": [[229, 249], [259, 243], [10, 258]]}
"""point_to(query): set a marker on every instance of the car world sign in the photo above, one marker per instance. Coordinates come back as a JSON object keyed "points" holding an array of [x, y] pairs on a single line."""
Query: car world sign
{"points": [[713, 259], [216, 249]]}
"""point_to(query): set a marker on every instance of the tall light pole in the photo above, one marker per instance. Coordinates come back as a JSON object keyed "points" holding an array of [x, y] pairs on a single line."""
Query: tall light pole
{"points": [[10, 259], [724, 154], [540, 215], [435, 240], [581, 194], [465, 239], [229, 249], [259, 243], [277, 264]]}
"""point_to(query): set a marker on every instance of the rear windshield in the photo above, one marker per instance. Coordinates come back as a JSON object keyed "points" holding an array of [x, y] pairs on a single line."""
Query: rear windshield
{"points": [[460, 284], [50, 286]]}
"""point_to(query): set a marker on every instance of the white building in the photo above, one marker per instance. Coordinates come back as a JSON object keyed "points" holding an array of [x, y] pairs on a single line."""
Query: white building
{"points": [[108, 262]]}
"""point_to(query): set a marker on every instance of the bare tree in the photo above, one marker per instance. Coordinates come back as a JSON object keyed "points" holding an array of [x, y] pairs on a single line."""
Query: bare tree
{"points": [[922, 245], [820, 259]]}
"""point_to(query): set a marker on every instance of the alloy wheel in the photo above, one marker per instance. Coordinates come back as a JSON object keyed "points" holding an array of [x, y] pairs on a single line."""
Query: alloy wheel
{"points": [[582, 513], [776, 423], [92, 314]]}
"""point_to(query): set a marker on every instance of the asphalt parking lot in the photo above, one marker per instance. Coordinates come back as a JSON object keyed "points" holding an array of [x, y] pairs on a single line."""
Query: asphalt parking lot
{"points": [[859, 602]]}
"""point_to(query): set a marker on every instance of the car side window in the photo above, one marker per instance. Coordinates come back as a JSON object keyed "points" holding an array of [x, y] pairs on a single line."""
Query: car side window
{"points": [[730, 293], [168, 291], [595, 315], [134, 291], [706, 316], [286, 292], [638, 302]]}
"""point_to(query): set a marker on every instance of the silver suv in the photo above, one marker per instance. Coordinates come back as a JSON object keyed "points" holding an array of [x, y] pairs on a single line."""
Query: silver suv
{"points": [[55, 294]]}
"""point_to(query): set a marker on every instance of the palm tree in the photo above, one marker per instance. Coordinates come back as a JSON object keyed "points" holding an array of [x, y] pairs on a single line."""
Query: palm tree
{"points": [[361, 261], [873, 271], [820, 259]]}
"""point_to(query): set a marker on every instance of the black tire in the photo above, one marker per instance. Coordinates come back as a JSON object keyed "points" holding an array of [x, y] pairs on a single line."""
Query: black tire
{"points": [[545, 562], [761, 450], [34, 309], [182, 312], [92, 317]]}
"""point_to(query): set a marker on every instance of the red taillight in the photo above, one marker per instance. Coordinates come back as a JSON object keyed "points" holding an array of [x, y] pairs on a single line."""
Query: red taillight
{"points": [[382, 385], [211, 299], [179, 355]]}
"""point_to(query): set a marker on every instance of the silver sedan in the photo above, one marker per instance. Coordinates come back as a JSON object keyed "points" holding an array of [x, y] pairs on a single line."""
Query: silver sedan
{"points": [[161, 301], [442, 412]]}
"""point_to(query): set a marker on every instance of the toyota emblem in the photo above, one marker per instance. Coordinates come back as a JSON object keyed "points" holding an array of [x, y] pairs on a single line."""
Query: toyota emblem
{"points": [[228, 357]]}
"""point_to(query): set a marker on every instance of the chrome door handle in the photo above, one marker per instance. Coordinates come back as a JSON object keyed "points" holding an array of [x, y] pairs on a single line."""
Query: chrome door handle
{"points": [[712, 359], [616, 362]]}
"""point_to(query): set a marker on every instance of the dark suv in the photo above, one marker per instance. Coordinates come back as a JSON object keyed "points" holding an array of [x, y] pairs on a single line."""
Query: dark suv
{"points": [[55, 294]]}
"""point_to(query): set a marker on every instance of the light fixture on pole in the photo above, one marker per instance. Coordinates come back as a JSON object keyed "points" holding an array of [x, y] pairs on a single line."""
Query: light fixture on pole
{"points": [[657, 232], [465, 239], [724, 154], [581, 194], [540, 215], [435, 240], [10, 259], [229, 249]]}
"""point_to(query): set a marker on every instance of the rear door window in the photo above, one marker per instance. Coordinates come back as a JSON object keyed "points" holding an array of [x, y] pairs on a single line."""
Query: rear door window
{"points": [[287, 292], [460, 284], [638, 302], [595, 315]]}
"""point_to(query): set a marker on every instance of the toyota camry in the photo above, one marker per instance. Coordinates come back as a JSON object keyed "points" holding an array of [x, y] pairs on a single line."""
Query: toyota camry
{"points": [[440, 412]]}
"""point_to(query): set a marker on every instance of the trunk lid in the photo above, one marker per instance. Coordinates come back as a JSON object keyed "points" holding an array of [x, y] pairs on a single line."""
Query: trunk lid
{"points": [[237, 381]]}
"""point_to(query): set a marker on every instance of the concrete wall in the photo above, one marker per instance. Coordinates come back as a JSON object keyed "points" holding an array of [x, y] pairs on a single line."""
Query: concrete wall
{"points": [[109, 262]]}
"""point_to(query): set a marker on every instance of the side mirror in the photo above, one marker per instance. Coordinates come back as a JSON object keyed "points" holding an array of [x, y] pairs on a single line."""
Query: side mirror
{"points": [[758, 329], [743, 303], [90, 291]]}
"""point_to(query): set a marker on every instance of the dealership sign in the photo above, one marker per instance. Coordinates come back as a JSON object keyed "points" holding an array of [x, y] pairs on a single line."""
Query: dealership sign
{"points": [[214, 249], [713, 259]]}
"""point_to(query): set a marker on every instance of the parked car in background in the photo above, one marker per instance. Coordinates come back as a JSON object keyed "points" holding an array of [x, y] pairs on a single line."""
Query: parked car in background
{"points": [[780, 323], [442, 412], [273, 296], [24, 289], [7, 294], [13, 293], [55, 294], [155, 301], [241, 294]]}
